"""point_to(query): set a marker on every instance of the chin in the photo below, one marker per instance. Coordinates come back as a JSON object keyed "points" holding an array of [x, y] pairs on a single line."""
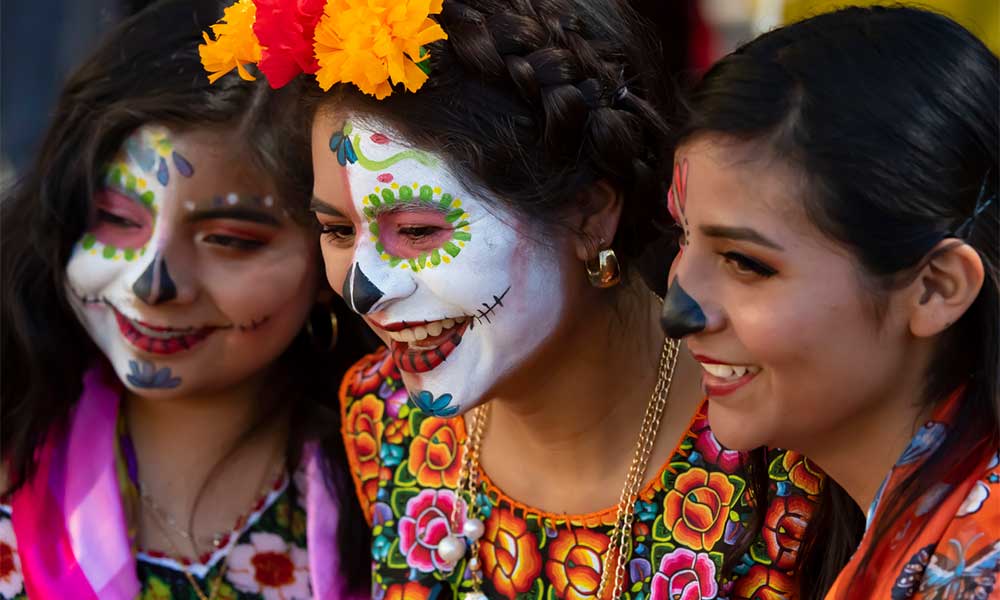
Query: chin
{"points": [[734, 430]]}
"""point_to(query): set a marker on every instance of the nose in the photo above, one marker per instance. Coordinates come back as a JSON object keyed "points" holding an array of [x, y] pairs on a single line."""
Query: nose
{"points": [[359, 292], [155, 285], [681, 315]]}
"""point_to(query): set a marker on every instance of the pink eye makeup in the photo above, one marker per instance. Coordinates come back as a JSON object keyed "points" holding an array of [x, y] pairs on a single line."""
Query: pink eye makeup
{"points": [[416, 226], [124, 217]]}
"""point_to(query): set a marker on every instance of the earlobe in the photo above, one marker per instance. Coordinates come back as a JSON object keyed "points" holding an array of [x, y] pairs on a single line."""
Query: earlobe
{"points": [[601, 209], [946, 287]]}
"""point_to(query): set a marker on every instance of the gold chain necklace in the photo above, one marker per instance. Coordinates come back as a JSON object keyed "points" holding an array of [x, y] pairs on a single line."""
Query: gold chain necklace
{"points": [[453, 547]]}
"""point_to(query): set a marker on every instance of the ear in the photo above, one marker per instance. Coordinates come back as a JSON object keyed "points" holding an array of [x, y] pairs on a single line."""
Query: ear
{"points": [[945, 287], [601, 210]]}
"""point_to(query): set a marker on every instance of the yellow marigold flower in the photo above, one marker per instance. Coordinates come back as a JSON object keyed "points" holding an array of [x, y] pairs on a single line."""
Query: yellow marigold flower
{"points": [[371, 43], [234, 45]]}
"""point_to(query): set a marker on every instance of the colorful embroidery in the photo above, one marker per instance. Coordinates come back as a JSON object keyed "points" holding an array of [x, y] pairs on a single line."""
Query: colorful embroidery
{"points": [[405, 463]]}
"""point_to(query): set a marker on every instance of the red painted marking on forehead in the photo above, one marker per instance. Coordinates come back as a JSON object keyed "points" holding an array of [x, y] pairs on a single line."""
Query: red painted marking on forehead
{"points": [[385, 177], [380, 138], [677, 196]]}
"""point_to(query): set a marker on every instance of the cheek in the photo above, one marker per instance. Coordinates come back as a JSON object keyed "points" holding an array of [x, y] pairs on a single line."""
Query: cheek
{"points": [[336, 263], [89, 272]]}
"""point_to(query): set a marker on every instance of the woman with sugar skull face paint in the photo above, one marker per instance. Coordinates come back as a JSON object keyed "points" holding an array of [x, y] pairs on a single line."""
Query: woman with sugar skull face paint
{"points": [[838, 280], [486, 177], [167, 430]]}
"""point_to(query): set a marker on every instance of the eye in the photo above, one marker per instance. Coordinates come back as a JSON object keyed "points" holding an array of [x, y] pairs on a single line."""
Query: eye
{"points": [[337, 233], [111, 218], [745, 266], [232, 242], [418, 232]]}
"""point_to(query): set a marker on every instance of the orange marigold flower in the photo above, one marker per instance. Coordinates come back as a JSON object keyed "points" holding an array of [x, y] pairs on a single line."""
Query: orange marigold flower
{"points": [[371, 43], [234, 45], [434, 454], [697, 509]]}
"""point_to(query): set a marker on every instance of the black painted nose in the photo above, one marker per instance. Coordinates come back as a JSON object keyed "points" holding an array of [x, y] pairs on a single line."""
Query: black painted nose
{"points": [[155, 285], [681, 314], [359, 292]]}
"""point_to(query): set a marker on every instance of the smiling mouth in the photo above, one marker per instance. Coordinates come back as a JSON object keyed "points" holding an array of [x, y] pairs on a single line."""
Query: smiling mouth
{"points": [[420, 348], [720, 379], [160, 340]]}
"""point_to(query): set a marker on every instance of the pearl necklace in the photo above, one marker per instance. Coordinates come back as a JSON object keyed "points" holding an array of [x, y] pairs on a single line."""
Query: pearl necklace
{"points": [[452, 548]]}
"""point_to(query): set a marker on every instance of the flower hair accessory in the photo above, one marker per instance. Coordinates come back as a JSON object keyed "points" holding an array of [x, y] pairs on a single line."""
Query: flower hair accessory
{"points": [[373, 44]]}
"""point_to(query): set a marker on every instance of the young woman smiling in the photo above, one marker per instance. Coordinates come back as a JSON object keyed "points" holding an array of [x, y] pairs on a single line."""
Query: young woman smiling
{"points": [[167, 428], [837, 191], [528, 430]]}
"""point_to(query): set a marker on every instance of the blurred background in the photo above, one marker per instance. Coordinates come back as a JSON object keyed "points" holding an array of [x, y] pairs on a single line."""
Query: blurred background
{"points": [[41, 41]]}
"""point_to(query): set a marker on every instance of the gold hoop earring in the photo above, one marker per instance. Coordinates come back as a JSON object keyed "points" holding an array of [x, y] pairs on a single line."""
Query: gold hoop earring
{"points": [[317, 337], [603, 271]]}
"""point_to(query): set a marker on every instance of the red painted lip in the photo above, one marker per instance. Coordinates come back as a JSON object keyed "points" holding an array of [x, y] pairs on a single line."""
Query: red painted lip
{"points": [[708, 360], [184, 340], [715, 387], [425, 359]]}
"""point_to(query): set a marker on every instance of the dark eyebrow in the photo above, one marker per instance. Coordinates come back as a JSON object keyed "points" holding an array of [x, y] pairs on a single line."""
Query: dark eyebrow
{"points": [[321, 207], [739, 233], [237, 212]]}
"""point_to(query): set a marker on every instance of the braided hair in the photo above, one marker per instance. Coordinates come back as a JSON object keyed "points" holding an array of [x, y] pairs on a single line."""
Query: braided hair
{"points": [[536, 100]]}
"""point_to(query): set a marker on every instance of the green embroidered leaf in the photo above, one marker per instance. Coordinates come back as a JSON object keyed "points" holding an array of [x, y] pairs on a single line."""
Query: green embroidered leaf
{"points": [[399, 499], [758, 552], [777, 470], [403, 476], [740, 485], [156, 589], [658, 551], [395, 558], [661, 533]]}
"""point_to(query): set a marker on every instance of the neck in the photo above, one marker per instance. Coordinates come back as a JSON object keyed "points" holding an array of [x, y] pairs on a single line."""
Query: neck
{"points": [[181, 442], [860, 452], [572, 417]]}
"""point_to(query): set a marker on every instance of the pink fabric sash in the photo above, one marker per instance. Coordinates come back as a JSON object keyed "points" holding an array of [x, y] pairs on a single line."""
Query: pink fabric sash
{"points": [[70, 521]]}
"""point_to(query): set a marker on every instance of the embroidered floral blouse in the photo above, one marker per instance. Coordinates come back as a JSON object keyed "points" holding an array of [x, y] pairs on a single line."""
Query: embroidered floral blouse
{"points": [[267, 560], [406, 466]]}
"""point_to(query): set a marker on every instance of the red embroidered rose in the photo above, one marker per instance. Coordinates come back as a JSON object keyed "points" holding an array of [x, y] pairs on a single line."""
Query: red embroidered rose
{"points": [[411, 590], [509, 553], [697, 509], [285, 32], [729, 461], [685, 575], [368, 379], [784, 528], [575, 563], [803, 473], [762, 583]]}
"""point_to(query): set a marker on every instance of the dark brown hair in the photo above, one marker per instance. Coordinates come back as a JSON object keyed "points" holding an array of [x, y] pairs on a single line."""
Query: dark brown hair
{"points": [[148, 71]]}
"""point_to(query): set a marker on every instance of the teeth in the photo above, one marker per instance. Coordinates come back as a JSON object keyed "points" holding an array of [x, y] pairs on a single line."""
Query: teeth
{"points": [[730, 371], [161, 335], [422, 332]]}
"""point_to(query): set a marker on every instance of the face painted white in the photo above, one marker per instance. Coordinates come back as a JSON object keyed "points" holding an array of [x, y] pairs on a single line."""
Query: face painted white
{"points": [[462, 290], [189, 278]]}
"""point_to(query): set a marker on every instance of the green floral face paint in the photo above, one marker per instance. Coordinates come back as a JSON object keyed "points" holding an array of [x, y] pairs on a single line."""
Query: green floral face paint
{"points": [[461, 289]]}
